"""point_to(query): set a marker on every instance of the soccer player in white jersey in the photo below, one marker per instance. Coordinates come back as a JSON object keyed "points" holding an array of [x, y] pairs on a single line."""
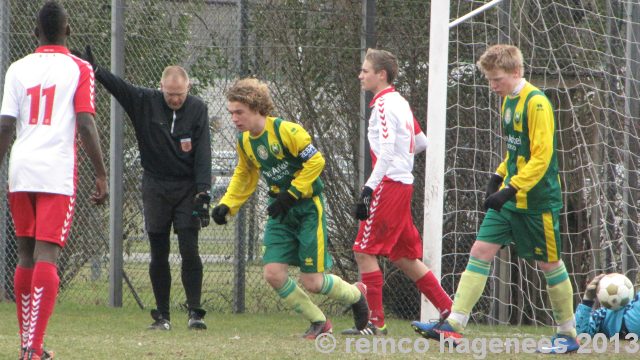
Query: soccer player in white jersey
{"points": [[48, 97], [386, 226]]}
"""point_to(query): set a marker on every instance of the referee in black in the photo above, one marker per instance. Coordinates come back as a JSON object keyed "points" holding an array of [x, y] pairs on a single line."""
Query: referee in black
{"points": [[172, 129]]}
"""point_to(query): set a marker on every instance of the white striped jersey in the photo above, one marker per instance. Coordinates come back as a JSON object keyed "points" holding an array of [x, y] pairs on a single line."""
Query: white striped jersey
{"points": [[393, 127], [44, 91]]}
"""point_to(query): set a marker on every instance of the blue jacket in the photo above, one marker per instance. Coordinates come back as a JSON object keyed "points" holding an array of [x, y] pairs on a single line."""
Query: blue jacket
{"points": [[608, 322]]}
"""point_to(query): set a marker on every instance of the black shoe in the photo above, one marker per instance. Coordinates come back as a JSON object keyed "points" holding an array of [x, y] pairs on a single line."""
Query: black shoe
{"points": [[317, 328], [30, 354], [161, 322], [369, 330], [361, 308], [196, 319]]}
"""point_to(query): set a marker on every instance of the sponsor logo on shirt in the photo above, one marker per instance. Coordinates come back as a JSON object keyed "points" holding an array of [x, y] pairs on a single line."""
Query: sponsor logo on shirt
{"points": [[262, 152], [507, 116], [277, 172], [513, 142]]}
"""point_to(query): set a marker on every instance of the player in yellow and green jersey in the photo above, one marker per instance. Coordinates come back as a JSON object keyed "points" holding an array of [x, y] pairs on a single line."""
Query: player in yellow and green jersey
{"points": [[523, 202], [296, 232]]}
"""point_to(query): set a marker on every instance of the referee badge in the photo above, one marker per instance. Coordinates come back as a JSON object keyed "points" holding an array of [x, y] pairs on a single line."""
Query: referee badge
{"points": [[185, 144], [262, 152]]}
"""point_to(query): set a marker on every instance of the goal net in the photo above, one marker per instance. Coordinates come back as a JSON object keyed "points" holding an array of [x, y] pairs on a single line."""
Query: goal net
{"points": [[585, 56]]}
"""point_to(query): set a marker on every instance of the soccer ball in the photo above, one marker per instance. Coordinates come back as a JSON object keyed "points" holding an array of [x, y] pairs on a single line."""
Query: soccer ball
{"points": [[615, 291]]}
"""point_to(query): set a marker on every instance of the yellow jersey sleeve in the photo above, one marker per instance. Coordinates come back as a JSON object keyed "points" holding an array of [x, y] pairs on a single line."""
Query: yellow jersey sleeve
{"points": [[243, 183], [296, 139], [502, 168], [541, 143]]}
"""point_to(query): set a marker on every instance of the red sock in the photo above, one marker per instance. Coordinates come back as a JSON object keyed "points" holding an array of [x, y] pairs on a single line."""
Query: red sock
{"points": [[430, 287], [43, 299], [22, 291], [374, 282]]}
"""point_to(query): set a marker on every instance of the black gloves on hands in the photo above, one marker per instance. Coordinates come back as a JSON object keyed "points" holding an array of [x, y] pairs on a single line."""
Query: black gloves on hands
{"points": [[496, 200], [219, 214], [201, 208], [493, 185], [362, 207], [88, 57], [284, 201]]}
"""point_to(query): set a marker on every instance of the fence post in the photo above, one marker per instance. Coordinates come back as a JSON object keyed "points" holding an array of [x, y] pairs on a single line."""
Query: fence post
{"points": [[368, 39], [116, 163], [239, 263], [5, 26]]}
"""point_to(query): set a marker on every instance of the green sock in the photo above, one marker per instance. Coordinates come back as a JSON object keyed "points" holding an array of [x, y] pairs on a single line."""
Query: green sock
{"points": [[336, 288], [561, 296], [470, 288], [299, 301]]}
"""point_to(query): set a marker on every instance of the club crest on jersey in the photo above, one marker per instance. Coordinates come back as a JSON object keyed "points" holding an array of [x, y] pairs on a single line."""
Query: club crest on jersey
{"points": [[507, 116], [517, 118], [185, 144], [262, 152], [275, 148]]}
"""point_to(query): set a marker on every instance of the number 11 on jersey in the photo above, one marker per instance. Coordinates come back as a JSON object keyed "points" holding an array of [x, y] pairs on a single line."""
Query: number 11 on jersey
{"points": [[49, 94]]}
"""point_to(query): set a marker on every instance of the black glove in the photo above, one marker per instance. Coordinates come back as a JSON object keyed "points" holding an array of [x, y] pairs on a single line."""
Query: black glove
{"points": [[493, 185], [496, 200], [219, 214], [284, 201], [362, 207], [201, 208], [88, 57]]}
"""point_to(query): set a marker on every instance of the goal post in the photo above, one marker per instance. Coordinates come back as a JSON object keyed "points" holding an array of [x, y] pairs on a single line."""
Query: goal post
{"points": [[436, 130]]}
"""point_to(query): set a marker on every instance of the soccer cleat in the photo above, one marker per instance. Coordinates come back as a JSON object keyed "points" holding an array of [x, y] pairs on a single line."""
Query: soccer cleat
{"points": [[29, 354], [160, 323], [369, 330], [436, 330], [360, 308], [317, 328], [561, 344], [196, 319]]}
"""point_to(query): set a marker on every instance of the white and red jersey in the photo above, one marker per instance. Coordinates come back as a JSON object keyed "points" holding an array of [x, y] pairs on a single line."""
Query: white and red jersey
{"points": [[44, 91], [392, 138]]}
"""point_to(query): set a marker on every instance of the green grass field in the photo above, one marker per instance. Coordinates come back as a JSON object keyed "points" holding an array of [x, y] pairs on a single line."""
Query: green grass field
{"points": [[81, 332]]}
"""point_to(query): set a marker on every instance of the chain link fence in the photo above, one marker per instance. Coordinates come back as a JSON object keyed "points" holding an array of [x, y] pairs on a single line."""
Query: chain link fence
{"points": [[309, 52]]}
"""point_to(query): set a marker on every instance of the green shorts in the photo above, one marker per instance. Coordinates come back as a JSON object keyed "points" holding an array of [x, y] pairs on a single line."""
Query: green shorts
{"points": [[536, 236], [301, 238]]}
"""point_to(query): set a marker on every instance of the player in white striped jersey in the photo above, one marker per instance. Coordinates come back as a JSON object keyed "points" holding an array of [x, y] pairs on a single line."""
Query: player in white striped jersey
{"points": [[48, 97], [386, 227]]}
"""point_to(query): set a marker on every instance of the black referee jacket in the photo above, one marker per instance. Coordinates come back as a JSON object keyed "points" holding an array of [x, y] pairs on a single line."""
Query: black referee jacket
{"points": [[174, 145]]}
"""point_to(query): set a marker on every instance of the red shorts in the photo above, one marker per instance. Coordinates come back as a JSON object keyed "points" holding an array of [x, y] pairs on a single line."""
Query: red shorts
{"points": [[43, 216], [389, 230]]}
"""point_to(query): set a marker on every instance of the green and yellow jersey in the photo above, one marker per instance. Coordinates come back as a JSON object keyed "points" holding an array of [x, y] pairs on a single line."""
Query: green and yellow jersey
{"points": [[531, 164], [286, 158]]}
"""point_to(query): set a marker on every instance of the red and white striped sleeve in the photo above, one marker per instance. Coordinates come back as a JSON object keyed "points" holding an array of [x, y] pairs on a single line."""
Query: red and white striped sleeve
{"points": [[84, 99]]}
